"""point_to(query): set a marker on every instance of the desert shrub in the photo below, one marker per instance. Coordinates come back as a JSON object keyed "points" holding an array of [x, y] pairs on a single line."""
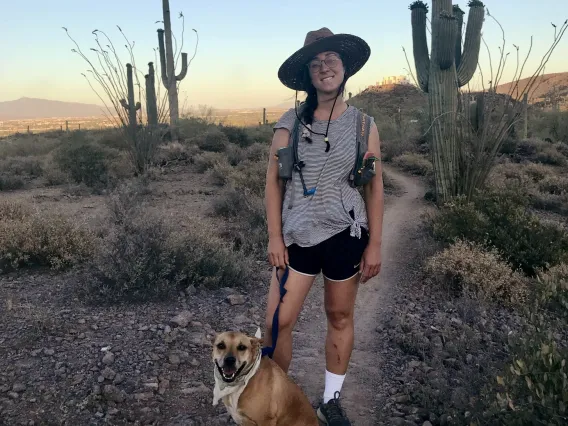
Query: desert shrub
{"points": [[395, 147], [562, 148], [500, 219], [533, 388], [31, 238], [53, 175], [22, 166], [247, 231], [414, 163], [191, 127], [213, 140], [237, 135], [27, 145], [260, 134], [172, 152], [258, 152], [143, 257], [235, 154], [550, 155], [206, 160], [468, 268], [84, 161], [553, 286], [11, 183], [221, 173]]}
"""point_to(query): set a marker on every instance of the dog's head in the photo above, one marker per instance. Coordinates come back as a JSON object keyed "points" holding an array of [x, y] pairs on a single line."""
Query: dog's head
{"points": [[234, 353]]}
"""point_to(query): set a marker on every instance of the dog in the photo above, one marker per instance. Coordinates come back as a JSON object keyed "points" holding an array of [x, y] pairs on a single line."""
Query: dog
{"points": [[253, 388]]}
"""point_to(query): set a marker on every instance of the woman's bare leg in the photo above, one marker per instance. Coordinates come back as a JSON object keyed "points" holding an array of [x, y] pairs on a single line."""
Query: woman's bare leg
{"points": [[298, 286]]}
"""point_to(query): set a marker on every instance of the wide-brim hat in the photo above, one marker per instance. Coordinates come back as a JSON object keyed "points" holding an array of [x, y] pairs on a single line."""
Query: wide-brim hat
{"points": [[354, 52]]}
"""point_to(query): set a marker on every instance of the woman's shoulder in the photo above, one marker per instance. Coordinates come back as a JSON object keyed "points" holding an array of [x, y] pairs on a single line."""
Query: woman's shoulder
{"points": [[286, 120]]}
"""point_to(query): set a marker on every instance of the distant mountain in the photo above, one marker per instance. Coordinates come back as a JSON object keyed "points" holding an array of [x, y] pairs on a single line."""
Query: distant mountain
{"points": [[547, 89], [33, 108]]}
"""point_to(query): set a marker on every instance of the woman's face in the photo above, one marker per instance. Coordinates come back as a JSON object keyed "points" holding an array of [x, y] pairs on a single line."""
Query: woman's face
{"points": [[326, 72]]}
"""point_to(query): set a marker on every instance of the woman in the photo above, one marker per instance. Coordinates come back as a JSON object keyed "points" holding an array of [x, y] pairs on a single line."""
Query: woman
{"points": [[331, 229]]}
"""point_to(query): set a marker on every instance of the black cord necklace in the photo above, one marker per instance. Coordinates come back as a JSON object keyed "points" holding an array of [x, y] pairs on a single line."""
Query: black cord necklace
{"points": [[326, 139]]}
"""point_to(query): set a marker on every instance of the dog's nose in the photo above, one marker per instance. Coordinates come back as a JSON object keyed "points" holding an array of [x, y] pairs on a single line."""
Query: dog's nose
{"points": [[230, 360]]}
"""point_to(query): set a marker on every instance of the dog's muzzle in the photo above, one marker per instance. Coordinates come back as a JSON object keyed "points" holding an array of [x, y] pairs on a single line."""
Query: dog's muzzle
{"points": [[229, 371]]}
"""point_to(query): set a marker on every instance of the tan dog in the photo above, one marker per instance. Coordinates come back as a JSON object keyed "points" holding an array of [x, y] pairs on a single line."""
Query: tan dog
{"points": [[254, 389]]}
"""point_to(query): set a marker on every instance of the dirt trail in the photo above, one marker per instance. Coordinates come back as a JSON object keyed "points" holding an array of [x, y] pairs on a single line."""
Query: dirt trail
{"points": [[364, 381]]}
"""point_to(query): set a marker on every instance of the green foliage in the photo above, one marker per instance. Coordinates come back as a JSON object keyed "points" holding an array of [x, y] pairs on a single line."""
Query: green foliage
{"points": [[213, 140], [143, 257], [414, 163], [534, 386], [500, 219], [83, 160], [237, 135]]}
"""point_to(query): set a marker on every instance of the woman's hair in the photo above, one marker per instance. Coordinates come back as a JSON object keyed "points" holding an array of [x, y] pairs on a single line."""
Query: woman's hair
{"points": [[311, 102]]}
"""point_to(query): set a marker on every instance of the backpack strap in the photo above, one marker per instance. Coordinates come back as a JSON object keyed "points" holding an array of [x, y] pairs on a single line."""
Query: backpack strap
{"points": [[363, 128]]}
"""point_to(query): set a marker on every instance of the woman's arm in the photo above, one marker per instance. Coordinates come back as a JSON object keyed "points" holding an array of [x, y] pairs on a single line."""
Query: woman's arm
{"points": [[277, 253], [374, 203]]}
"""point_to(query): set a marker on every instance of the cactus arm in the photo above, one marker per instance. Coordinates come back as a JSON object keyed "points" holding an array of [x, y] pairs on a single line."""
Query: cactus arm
{"points": [[183, 71], [420, 43], [458, 13], [151, 101], [472, 42], [163, 68], [444, 34]]}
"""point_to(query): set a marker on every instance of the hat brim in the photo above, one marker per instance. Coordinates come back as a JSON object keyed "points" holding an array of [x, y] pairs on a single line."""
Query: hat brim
{"points": [[353, 50]]}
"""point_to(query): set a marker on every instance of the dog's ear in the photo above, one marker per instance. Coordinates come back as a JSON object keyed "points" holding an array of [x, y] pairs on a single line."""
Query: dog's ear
{"points": [[255, 341]]}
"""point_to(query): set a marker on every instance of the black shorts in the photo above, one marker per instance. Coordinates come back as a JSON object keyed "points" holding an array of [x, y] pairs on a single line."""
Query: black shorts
{"points": [[337, 258]]}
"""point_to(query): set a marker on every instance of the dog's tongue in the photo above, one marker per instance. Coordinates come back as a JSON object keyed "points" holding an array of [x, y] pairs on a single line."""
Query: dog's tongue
{"points": [[229, 370]]}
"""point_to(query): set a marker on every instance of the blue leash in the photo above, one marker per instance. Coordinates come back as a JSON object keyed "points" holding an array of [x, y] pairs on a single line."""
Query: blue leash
{"points": [[269, 350]]}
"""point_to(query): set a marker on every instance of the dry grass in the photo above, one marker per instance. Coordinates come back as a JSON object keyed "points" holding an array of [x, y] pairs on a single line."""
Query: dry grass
{"points": [[469, 269]]}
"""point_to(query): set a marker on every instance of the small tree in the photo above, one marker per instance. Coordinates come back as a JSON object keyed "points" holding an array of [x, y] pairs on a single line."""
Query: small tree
{"points": [[120, 85]]}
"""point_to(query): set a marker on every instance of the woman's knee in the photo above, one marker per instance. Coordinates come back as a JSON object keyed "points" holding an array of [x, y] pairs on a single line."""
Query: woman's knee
{"points": [[285, 322], [340, 319]]}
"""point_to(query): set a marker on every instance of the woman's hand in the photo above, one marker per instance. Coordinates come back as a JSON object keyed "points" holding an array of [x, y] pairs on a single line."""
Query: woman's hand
{"points": [[370, 262], [277, 252]]}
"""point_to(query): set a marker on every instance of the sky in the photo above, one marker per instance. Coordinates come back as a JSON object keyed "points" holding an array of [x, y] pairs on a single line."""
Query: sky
{"points": [[241, 43]]}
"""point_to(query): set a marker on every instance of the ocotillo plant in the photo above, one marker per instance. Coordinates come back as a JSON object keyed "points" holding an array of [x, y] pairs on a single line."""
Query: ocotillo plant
{"points": [[441, 73], [129, 105], [151, 101], [169, 77]]}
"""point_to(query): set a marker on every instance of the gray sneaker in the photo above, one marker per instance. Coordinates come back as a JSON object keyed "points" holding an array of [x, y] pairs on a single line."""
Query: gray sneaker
{"points": [[332, 413]]}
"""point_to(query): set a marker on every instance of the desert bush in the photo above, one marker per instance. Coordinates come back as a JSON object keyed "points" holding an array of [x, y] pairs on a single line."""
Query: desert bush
{"points": [[392, 148], [247, 230], [468, 268], [27, 145], [11, 183], [213, 140], [550, 155], [414, 163], [237, 135], [84, 161], [553, 289], [32, 238], [30, 166], [551, 124], [235, 154], [206, 160], [190, 127], [533, 386], [260, 134], [500, 219], [143, 257], [258, 152]]}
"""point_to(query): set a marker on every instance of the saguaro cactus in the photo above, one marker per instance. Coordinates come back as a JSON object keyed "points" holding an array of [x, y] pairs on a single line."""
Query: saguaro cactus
{"points": [[441, 73], [151, 101], [169, 77], [129, 105]]}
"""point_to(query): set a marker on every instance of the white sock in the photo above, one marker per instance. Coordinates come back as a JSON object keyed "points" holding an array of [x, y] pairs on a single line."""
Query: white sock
{"points": [[333, 383]]}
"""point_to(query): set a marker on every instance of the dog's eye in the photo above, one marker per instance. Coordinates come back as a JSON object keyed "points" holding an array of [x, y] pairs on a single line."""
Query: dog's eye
{"points": [[221, 346], [241, 347]]}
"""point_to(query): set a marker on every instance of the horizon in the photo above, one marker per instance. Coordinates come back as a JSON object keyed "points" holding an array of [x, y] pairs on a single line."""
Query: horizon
{"points": [[237, 40]]}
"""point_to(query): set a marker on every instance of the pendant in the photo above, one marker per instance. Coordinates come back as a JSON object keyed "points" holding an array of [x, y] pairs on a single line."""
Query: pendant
{"points": [[327, 145]]}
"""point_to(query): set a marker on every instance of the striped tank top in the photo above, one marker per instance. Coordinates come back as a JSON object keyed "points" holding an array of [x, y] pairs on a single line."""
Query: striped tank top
{"points": [[335, 206]]}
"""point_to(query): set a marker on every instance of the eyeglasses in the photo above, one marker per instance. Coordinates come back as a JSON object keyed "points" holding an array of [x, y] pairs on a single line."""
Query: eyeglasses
{"points": [[315, 64]]}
